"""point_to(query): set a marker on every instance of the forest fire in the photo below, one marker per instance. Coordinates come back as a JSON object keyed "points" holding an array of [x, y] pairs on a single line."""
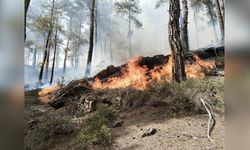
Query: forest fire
{"points": [[133, 75], [46, 93], [138, 77]]}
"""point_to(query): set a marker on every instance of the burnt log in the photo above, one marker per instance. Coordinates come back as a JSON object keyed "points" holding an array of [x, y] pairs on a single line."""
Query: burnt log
{"points": [[70, 92]]}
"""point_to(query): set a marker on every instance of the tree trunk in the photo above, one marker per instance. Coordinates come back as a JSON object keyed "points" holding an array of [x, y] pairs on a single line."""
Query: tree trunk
{"points": [[184, 26], [129, 32], [26, 5], [54, 58], [47, 64], [65, 58], [221, 19], [196, 28], [35, 56], [47, 44], [213, 20], [44, 58], [223, 9], [178, 67], [91, 40]]}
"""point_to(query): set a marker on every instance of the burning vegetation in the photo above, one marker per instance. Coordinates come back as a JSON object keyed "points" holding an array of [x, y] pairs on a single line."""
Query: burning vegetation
{"points": [[140, 76], [138, 73]]}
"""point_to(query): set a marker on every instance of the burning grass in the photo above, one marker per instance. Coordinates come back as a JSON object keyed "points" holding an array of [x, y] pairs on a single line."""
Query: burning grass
{"points": [[139, 77]]}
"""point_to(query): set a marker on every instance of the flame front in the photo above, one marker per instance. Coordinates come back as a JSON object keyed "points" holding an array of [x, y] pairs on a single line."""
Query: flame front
{"points": [[133, 75], [139, 77]]}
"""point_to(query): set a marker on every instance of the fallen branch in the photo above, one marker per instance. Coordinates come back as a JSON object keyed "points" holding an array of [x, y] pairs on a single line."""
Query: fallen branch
{"points": [[211, 120]]}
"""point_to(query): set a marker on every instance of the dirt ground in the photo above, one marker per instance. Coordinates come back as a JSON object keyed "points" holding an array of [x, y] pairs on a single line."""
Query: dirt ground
{"points": [[173, 133]]}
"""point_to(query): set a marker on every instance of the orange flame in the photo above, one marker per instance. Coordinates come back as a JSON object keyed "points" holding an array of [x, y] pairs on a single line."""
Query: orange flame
{"points": [[138, 77], [47, 93], [133, 75]]}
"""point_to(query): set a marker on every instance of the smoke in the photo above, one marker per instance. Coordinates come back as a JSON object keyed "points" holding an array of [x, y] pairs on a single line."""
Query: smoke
{"points": [[112, 43]]}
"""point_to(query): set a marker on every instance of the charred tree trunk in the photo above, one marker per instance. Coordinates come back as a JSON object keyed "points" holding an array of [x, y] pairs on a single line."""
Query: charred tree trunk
{"points": [[221, 19], [91, 39], [47, 64], [26, 5], [44, 58], [54, 58], [184, 26], [46, 45], [178, 67]]}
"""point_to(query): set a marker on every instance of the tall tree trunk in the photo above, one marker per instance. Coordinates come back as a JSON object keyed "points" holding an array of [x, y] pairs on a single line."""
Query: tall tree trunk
{"points": [[196, 28], [47, 44], [54, 58], [65, 58], [44, 58], [47, 64], [91, 40], [223, 9], [178, 67], [129, 32], [35, 56], [67, 47], [221, 19], [213, 20], [184, 26], [26, 5]]}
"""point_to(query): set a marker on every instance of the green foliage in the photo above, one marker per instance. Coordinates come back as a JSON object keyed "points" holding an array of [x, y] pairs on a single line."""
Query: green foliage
{"points": [[96, 130], [124, 7]]}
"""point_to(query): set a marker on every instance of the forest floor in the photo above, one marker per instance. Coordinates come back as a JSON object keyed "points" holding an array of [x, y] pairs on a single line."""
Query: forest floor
{"points": [[187, 132], [174, 132]]}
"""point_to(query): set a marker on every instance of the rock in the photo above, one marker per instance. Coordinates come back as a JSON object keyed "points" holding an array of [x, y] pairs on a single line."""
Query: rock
{"points": [[149, 132], [117, 124]]}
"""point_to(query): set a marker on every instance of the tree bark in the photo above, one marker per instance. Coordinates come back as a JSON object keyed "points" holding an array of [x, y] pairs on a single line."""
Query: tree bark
{"points": [[221, 19], [47, 64], [91, 40], [54, 58], [26, 5], [184, 26], [178, 67], [46, 45]]}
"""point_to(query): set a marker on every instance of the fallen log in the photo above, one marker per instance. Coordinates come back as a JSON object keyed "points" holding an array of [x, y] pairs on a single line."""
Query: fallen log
{"points": [[70, 92]]}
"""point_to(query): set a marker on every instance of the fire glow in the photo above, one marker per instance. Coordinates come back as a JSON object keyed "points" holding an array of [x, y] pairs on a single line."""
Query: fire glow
{"points": [[139, 77], [46, 93]]}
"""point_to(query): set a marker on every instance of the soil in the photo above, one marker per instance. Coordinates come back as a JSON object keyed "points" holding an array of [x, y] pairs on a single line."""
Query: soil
{"points": [[173, 133]]}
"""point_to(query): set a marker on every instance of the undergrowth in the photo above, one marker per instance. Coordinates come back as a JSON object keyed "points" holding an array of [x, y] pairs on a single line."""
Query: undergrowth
{"points": [[184, 98]]}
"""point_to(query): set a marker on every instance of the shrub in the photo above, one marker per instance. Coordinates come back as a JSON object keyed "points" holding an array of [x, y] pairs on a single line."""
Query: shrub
{"points": [[183, 98], [96, 130], [48, 132]]}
